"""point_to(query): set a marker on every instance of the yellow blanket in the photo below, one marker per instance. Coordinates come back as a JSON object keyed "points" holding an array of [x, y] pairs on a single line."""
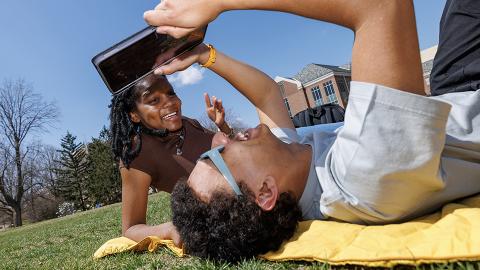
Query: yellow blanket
{"points": [[452, 234]]}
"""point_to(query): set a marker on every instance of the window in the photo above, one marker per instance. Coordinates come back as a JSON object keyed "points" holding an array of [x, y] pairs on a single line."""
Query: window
{"points": [[288, 107], [342, 87], [317, 96], [328, 86]]}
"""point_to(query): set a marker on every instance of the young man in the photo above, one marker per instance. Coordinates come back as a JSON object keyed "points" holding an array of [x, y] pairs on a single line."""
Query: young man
{"points": [[398, 156]]}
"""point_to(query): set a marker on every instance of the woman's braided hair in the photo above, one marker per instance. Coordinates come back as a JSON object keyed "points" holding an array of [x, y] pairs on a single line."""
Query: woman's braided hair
{"points": [[126, 135]]}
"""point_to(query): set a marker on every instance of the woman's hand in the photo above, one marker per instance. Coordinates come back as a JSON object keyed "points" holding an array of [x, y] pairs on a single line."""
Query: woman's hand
{"points": [[216, 113], [215, 110], [199, 54], [172, 233]]}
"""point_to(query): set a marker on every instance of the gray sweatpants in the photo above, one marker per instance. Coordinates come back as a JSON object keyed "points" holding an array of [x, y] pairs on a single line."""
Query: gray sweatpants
{"points": [[399, 155]]}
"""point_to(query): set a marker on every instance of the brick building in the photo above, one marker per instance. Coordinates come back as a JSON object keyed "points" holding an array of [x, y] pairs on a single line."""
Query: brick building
{"points": [[315, 85], [318, 84]]}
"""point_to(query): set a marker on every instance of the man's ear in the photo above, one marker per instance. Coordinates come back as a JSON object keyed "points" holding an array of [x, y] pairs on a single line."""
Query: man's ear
{"points": [[268, 194], [134, 117]]}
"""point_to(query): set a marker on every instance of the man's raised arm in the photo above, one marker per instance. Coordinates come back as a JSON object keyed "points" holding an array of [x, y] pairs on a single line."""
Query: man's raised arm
{"points": [[255, 85]]}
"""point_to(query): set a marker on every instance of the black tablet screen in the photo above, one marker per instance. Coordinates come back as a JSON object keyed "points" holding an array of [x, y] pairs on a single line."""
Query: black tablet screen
{"points": [[140, 54]]}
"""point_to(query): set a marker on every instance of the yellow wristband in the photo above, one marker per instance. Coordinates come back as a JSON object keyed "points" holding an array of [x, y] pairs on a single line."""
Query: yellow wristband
{"points": [[211, 58]]}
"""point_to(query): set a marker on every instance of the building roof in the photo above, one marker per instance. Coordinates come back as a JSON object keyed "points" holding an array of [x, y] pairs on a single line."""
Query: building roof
{"points": [[314, 71], [279, 79]]}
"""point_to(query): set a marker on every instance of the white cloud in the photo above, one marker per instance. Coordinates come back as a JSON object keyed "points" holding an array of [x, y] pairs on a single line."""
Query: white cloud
{"points": [[191, 75]]}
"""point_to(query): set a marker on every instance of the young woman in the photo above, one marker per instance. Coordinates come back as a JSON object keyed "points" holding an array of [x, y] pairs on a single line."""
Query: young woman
{"points": [[155, 146]]}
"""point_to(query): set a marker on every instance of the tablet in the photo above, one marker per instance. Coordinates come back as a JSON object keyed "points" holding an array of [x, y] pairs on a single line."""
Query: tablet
{"points": [[132, 59]]}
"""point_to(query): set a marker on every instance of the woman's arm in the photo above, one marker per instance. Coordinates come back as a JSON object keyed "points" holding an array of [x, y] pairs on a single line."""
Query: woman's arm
{"points": [[135, 185]]}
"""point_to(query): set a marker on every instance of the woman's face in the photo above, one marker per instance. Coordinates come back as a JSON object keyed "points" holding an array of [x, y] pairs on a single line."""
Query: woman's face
{"points": [[158, 107]]}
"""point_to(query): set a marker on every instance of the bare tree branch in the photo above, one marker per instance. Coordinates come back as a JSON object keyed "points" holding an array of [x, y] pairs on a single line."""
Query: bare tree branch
{"points": [[33, 185]]}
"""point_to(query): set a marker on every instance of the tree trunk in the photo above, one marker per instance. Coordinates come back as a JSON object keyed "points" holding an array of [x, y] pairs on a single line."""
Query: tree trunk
{"points": [[20, 190], [18, 215]]}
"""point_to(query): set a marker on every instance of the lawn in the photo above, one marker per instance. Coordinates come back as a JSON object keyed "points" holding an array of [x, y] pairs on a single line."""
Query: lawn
{"points": [[69, 243]]}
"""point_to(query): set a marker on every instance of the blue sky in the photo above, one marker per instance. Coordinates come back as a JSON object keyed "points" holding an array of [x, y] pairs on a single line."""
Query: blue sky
{"points": [[50, 44]]}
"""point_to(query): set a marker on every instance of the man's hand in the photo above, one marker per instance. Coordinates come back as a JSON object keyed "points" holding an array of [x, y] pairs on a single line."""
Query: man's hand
{"points": [[178, 18]]}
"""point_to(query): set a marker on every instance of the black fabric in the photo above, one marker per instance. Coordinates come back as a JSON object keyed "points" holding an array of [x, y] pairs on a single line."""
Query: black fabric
{"points": [[456, 67], [325, 114]]}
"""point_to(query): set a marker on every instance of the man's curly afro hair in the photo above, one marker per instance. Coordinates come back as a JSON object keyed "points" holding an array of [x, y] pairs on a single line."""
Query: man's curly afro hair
{"points": [[231, 228]]}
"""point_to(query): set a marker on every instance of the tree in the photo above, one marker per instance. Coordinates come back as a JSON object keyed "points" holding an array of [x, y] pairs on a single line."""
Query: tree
{"points": [[72, 173], [31, 177], [40, 202], [104, 184], [49, 167], [23, 113]]}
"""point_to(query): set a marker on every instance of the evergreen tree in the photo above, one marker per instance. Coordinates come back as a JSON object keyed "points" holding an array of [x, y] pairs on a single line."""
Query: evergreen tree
{"points": [[72, 172], [104, 184]]}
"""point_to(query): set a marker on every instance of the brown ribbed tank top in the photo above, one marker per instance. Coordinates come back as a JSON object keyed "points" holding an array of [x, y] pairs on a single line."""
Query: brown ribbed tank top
{"points": [[158, 155]]}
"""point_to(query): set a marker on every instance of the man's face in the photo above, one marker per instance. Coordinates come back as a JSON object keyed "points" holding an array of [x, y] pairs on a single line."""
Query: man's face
{"points": [[249, 158]]}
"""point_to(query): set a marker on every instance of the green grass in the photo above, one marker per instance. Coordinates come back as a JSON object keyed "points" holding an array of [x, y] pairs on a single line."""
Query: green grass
{"points": [[69, 243]]}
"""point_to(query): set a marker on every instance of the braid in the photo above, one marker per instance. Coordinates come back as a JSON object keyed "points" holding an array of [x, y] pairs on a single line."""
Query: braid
{"points": [[123, 130]]}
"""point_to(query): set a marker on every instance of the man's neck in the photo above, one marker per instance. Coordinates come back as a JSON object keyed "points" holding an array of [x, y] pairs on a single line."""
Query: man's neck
{"points": [[296, 174]]}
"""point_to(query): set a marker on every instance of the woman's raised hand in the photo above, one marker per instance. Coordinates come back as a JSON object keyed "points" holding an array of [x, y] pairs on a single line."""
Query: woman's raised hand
{"points": [[178, 18], [170, 232], [215, 110], [216, 113]]}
